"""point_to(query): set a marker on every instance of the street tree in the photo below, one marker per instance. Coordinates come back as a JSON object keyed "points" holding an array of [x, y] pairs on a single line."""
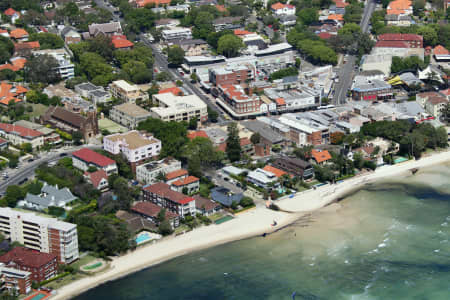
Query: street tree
{"points": [[233, 149], [229, 45], [175, 55]]}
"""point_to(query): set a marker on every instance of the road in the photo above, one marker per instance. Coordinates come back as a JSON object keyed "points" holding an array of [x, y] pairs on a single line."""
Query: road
{"points": [[106, 5], [27, 169], [162, 64], [346, 72]]}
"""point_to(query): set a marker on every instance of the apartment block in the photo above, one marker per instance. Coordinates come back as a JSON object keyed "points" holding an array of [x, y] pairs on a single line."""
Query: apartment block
{"points": [[179, 108], [15, 281], [236, 99], [129, 115], [47, 235], [148, 173], [19, 135], [232, 75], [176, 33], [85, 158], [127, 92]]}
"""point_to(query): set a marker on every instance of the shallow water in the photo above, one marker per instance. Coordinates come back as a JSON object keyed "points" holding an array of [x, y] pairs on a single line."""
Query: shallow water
{"points": [[387, 241]]}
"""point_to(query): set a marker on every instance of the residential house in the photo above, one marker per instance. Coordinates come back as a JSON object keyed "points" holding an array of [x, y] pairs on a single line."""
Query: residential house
{"points": [[50, 136], [226, 23], [135, 146], [205, 206], [15, 281], [400, 7], [129, 115], [94, 93], [107, 29], [49, 196], [42, 266], [85, 158], [287, 20], [295, 166], [320, 156], [4, 32], [47, 235], [121, 42], [435, 106], [17, 64], [414, 40], [78, 105], [277, 172], [157, 3], [176, 175], [262, 178], [127, 92], [151, 211], [26, 48], [19, 35], [282, 9], [99, 179], [441, 53], [71, 122], [149, 172], [189, 185], [19, 135], [192, 47], [11, 92], [70, 35], [166, 22], [13, 14], [225, 197], [178, 108], [161, 194]]}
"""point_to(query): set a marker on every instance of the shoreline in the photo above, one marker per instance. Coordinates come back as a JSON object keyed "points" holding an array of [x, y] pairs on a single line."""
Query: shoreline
{"points": [[243, 226]]}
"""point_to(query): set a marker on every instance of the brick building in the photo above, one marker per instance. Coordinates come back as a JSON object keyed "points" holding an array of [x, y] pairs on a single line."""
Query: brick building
{"points": [[232, 75], [414, 40]]}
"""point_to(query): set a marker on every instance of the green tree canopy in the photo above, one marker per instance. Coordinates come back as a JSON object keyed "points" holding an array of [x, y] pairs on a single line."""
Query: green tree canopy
{"points": [[42, 68], [229, 45], [175, 55], [233, 149], [47, 40]]}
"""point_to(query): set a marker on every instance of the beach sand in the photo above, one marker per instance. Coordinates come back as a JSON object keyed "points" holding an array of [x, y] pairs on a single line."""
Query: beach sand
{"points": [[252, 223]]}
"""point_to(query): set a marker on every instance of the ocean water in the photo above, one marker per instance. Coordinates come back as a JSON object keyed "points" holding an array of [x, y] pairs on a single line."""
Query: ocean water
{"points": [[389, 240]]}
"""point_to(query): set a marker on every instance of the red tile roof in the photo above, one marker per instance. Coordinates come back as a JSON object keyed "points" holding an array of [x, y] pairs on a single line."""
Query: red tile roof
{"points": [[10, 12], [27, 46], [320, 156], [279, 5], [242, 32], [18, 33], [142, 3], [221, 8], [9, 92], [152, 210], [222, 147], [120, 41], [278, 173], [325, 35], [2, 141], [96, 177], [280, 101], [176, 174], [16, 64], [27, 257], [392, 44], [195, 134], [22, 131], [205, 203], [93, 157], [163, 190], [174, 90], [400, 37], [440, 50], [185, 181], [336, 17], [445, 92]]}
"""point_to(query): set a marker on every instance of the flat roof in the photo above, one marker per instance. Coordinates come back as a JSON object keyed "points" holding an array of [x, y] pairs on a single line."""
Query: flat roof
{"points": [[132, 109], [125, 85]]}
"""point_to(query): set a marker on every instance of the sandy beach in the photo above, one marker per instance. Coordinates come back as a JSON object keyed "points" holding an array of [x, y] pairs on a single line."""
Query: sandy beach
{"points": [[245, 225]]}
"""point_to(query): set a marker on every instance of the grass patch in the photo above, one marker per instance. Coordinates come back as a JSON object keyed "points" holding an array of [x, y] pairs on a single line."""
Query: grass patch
{"points": [[94, 266], [181, 228], [83, 261], [38, 110], [56, 284], [215, 217], [223, 220]]}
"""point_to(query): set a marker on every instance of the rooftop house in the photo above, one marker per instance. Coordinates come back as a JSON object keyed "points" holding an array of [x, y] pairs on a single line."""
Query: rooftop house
{"points": [[282, 9], [13, 14], [262, 178], [49, 196]]}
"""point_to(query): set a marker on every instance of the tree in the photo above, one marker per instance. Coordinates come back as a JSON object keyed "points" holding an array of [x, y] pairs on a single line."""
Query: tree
{"points": [[430, 37], [229, 45], [233, 149], [13, 194], [95, 67], [27, 147], [77, 136], [298, 62], [255, 138], [163, 76], [42, 68], [137, 71], [292, 71], [200, 154], [193, 123], [47, 40], [212, 115], [161, 215], [304, 152], [194, 77], [336, 138], [246, 202], [175, 55], [165, 228], [307, 15], [6, 49]]}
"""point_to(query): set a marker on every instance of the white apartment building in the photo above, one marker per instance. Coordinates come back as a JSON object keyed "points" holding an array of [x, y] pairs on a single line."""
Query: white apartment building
{"points": [[176, 33], [127, 92], [283, 9], [129, 115], [19, 135], [48, 235], [262, 178], [179, 108], [66, 69], [148, 173], [136, 146]]}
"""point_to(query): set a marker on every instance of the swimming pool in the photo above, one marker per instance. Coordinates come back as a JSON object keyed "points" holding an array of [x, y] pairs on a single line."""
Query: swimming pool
{"points": [[38, 296], [142, 238]]}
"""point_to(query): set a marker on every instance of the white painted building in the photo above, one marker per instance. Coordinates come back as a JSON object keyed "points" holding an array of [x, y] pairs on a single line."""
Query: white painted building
{"points": [[19, 135], [148, 173], [176, 33], [66, 69], [179, 108]]}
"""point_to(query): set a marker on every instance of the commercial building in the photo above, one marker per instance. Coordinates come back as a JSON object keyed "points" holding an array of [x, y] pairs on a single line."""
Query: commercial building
{"points": [[135, 146], [161, 194], [238, 101], [129, 115], [49, 196], [127, 92], [176, 33], [40, 266], [71, 122], [295, 166], [232, 74], [305, 131], [371, 89], [19, 135], [148, 173], [15, 281], [179, 108], [47, 235], [85, 158]]}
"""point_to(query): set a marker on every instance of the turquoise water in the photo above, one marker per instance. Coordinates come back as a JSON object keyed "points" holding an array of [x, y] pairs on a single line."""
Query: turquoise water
{"points": [[142, 238], [38, 297], [387, 241]]}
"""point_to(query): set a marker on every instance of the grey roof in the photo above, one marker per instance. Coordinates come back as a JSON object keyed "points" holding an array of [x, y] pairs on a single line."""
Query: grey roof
{"points": [[285, 18], [290, 79], [371, 73], [66, 30], [188, 42], [259, 43], [51, 196], [223, 196], [226, 20], [264, 130], [87, 86], [99, 93], [111, 27]]}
